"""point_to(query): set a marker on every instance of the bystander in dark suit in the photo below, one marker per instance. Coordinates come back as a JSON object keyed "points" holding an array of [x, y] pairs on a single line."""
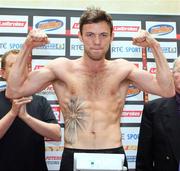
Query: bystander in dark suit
{"points": [[159, 138]]}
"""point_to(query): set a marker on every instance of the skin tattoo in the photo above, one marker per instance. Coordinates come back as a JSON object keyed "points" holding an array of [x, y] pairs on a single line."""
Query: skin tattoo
{"points": [[75, 120]]}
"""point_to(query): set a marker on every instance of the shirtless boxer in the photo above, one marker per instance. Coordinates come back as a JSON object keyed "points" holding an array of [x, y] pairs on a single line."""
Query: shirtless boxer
{"points": [[91, 90]]}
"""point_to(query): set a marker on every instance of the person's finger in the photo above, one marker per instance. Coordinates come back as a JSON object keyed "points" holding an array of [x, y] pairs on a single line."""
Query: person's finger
{"points": [[23, 99], [22, 102]]}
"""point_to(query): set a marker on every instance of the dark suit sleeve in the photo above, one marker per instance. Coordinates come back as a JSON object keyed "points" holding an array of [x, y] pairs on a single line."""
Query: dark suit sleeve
{"points": [[144, 157]]}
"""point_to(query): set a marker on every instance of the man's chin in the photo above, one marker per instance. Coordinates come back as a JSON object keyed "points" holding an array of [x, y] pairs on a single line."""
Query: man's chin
{"points": [[96, 58]]}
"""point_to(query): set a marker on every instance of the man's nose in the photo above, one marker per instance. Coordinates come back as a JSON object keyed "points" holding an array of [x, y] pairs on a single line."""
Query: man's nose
{"points": [[97, 39]]}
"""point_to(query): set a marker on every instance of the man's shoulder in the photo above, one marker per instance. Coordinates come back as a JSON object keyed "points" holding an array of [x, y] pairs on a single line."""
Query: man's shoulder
{"points": [[60, 62], [120, 62], [62, 59]]}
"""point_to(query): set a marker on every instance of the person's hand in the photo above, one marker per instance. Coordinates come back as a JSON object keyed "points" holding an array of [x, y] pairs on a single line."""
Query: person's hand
{"points": [[19, 106], [144, 39], [36, 38]]}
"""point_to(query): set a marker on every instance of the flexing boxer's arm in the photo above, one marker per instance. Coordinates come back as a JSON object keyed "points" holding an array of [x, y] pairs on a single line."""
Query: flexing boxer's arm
{"points": [[20, 81], [163, 83]]}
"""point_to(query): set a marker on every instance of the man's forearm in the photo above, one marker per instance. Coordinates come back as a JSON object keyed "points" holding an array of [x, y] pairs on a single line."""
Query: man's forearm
{"points": [[48, 130], [19, 72], [6, 122]]}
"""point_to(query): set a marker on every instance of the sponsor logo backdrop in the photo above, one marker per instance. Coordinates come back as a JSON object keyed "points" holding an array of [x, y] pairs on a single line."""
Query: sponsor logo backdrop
{"points": [[62, 28]]}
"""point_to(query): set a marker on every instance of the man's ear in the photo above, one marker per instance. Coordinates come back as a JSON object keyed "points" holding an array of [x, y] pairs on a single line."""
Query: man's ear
{"points": [[112, 36], [2, 71]]}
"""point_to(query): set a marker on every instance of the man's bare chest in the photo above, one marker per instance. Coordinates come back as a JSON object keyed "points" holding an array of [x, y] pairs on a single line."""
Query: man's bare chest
{"points": [[96, 85]]}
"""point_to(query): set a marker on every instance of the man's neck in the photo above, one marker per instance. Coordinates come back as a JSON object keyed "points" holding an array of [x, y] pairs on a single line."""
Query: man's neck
{"points": [[94, 66]]}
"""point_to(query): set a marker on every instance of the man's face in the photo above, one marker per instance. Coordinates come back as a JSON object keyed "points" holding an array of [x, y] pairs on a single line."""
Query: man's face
{"points": [[10, 60], [96, 38], [176, 76]]}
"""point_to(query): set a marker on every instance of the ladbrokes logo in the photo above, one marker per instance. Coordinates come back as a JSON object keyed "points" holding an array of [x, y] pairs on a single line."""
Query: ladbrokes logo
{"points": [[53, 160], [134, 113], [49, 24], [53, 157], [75, 26], [152, 70], [132, 91], [38, 67], [161, 29], [126, 28], [12, 23]]}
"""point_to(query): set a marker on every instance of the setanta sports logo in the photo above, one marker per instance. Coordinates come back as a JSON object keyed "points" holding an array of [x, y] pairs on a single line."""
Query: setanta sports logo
{"points": [[130, 147], [54, 148], [49, 24], [161, 29], [132, 91]]}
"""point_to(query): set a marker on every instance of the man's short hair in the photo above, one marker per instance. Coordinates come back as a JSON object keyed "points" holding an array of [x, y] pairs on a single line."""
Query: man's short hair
{"points": [[95, 15], [4, 56]]}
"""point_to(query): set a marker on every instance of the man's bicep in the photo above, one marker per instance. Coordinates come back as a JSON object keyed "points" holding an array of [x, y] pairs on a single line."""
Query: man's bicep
{"points": [[36, 81], [145, 81]]}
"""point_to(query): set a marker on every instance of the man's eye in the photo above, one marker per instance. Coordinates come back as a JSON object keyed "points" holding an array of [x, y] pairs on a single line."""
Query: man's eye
{"points": [[104, 35], [89, 34], [176, 71]]}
